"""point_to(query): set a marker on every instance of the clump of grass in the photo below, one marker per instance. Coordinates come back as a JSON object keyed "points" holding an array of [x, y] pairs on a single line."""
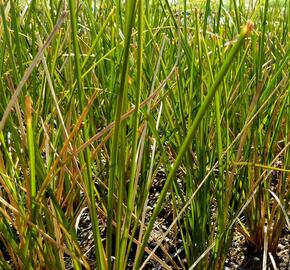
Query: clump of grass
{"points": [[98, 98]]}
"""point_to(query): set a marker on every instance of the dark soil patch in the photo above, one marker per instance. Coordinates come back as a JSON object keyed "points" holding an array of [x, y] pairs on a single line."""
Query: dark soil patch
{"points": [[244, 256]]}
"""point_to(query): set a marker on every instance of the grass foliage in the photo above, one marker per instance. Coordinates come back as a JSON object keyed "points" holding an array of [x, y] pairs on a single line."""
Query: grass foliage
{"points": [[99, 97]]}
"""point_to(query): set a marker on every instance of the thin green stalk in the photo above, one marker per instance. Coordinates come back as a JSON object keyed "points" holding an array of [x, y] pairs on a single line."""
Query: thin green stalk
{"points": [[262, 43], [206, 15], [30, 136], [29, 244], [134, 155], [237, 15], [130, 6], [185, 19]]}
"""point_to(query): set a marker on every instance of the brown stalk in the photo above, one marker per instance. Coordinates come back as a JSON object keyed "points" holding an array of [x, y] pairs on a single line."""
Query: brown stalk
{"points": [[65, 147]]}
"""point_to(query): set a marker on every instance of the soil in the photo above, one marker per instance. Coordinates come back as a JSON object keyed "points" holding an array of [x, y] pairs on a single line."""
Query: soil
{"points": [[244, 256]]}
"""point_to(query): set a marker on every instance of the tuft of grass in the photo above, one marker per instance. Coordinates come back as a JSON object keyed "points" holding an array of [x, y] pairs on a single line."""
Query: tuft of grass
{"points": [[100, 98]]}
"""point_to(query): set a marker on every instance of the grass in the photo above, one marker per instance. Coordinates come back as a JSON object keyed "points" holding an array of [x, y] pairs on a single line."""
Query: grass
{"points": [[100, 97]]}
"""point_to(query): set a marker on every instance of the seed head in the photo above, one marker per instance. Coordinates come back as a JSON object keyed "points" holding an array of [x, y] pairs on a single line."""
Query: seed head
{"points": [[248, 28]]}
